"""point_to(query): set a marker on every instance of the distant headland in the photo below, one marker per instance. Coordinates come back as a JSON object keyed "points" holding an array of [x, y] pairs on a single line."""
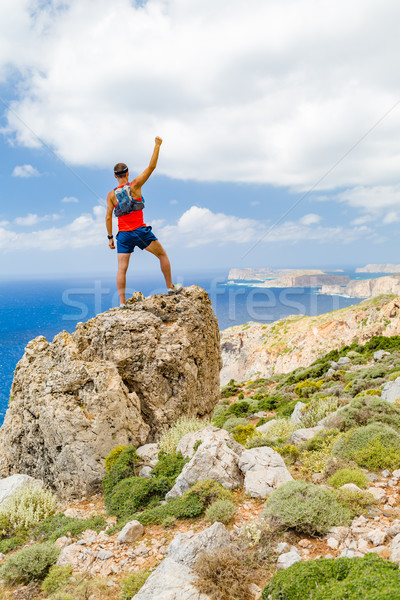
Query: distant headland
{"points": [[284, 278]]}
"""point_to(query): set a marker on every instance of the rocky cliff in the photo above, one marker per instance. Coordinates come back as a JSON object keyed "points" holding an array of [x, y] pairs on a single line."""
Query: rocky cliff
{"points": [[366, 288], [257, 350], [118, 379]]}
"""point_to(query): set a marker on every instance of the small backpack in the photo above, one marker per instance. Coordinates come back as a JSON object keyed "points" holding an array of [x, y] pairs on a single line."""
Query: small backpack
{"points": [[125, 203]]}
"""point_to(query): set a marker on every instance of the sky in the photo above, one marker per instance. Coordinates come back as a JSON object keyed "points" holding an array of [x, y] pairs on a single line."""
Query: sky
{"points": [[280, 122]]}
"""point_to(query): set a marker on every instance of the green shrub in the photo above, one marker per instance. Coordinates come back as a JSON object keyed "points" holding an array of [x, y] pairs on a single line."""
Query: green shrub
{"points": [[347, 475], [169, 465], [56, 578], [242, 433], [169, 521], [356, 502], [131, 584], [258, 441], [370, 393], [306, 508], [306, 388], [124, 467], [318, 409], [12, 543], [221, 510], [231, 388], [282, 429], [29, 564], [269, 402], [233, 422], [316, 453], [171, 438], [367, 578], [25, 509], [112, 458], [374, 447], [393, 376], [134, 493], [286, 408], [238, 409], [365, 410], [289, 452], [59, 525]]}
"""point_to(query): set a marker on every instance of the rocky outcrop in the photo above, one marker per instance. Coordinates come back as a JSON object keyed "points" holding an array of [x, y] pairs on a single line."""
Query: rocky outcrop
{"points": [[264, 471], [16, 483], [118, 379], [174, 577], [366, 288], [259, 350]]}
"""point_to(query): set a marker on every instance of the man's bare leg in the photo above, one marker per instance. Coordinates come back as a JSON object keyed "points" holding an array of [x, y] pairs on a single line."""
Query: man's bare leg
{"points": [[123, 263], [156, 249]]}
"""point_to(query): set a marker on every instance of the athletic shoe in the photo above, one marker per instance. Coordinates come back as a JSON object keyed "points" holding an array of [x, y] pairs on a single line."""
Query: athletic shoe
{"points": [[176, 289], [123, 306]]}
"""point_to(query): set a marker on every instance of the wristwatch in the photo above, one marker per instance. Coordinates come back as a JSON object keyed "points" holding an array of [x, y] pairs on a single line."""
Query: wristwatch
{"points": [[110, 237]]}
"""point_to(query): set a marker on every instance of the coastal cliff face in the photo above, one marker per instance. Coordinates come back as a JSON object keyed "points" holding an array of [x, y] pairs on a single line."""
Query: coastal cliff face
{"points": [[382, 268], [257, 350], [366, 288], [118, 379]]}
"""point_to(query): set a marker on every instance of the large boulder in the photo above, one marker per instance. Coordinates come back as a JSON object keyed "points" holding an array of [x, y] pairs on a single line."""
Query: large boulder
{"points": [[120, 378], [264, 471], [174, 577], [213, 460], [206, 436], [391, 390]]}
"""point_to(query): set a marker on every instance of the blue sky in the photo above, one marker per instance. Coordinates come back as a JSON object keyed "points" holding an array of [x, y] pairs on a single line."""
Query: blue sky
{"points": [[280, 121]]}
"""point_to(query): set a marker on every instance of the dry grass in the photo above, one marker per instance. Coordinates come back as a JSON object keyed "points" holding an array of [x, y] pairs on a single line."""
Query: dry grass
{"points": [[226, 575]]}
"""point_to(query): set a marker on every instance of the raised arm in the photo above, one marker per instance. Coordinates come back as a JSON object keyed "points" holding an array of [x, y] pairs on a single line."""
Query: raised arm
{"points": [[110, 208], [141, 179]]}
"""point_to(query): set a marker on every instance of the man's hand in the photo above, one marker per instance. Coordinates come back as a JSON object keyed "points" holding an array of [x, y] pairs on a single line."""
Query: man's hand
{"points": [[158, 141], [111, 244]]}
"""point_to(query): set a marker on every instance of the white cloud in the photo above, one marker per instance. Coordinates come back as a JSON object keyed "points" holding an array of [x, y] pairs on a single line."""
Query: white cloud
{"points": [[32, 219], [196, 227], [391, 217], [280, 104], [70, 199], [310, 219], [255, 203], [25, 171], [173, 201]]}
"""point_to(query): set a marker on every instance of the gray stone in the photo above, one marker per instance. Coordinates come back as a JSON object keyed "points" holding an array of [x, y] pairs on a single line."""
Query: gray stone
{"points": [[351, 486], [63, 541], [185, 547], [339, 533], [282, 547], [288, 559], [149, 453], [207, 436], [130, 533], [211, 461], [334, 365], [77, 398], [173, 578], [385, 473], [264, 471], [343, 360], [304, 435], [69, 555], [379, 354], [376, 536], [391, 390], [145, 472], [377, 492], [10, 485], [266, 426], [332, 543], [297, 413], [395, 549], [104, 554], [330, 373]]}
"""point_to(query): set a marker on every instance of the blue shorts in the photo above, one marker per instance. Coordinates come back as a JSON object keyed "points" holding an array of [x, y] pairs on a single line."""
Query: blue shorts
{"points": [[127, 240]]}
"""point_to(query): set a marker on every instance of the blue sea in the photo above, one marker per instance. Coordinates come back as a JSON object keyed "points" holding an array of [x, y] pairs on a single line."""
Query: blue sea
{"points": [[29, 308]]}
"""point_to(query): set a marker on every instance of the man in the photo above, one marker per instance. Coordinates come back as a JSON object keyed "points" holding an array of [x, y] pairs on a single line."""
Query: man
{"points": [[127, 202]]}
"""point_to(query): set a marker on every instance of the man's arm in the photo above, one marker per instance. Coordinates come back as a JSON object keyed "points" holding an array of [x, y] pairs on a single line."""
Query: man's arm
{"points": [[110, 208], [141, 179]]}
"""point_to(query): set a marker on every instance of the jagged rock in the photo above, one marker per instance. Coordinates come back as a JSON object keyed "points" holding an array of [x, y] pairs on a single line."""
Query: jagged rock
{"points": [[149, 453], [297, 413], [216, 461], [391, 390], [121, 378], [376, 536], [377, 492], [130, 533], [15, 483], [343, 360], [304, 435], [70, 555], [282, 547], [332, 543], [173, 578], [264, 471], [350, 486], [288, 559], [104, 554], [208, 435], [63, 541]]}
